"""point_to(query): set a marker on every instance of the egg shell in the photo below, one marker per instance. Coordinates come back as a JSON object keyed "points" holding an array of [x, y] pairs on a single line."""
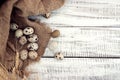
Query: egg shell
{"points": [[33, 38], [23, 40], [18, 33], [59, 56], [13, 26], [28, 31], [33, 54], [23, 54], [32, 46]]}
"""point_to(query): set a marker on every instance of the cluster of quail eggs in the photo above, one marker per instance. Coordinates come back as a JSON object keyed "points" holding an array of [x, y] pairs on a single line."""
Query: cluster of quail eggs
{"points": [[26, 36]]}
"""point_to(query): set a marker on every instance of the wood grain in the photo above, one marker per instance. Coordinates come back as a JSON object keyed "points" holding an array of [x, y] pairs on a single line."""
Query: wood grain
{"points": [[89, 29], [85, 32], [87, 13], [76, 69], [87, 42]]}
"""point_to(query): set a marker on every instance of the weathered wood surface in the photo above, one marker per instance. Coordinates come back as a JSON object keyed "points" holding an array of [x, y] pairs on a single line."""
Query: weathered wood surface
{"points": [[76, 69], [87, 13], [89, 28], [87, 42]]}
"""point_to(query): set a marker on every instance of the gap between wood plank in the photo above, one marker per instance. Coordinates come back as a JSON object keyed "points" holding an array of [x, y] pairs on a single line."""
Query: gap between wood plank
{"points": [[115, 26], [82, 57]]}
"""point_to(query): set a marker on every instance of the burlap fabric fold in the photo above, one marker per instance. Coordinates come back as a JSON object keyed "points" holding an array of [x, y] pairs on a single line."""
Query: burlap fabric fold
{"points": [[17, 11]]}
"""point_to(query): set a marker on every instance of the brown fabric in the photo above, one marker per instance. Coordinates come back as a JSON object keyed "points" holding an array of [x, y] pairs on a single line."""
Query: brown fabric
{"points": [[5, 13], [3, 73], [30, 7], [17, 11]]}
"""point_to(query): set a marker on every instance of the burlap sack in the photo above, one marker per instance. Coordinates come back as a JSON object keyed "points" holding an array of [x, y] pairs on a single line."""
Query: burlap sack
{"points": [[17, 11], [5, 75], [5, 14]]}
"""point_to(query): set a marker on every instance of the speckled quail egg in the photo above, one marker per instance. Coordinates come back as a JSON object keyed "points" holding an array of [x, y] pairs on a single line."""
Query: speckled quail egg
{"points": [[47, 15], [33, 54], [23, 54], [23, 40], [59, 56], [18, 33], [32, 46], [13, 26], [28, 31], [33, 38]]}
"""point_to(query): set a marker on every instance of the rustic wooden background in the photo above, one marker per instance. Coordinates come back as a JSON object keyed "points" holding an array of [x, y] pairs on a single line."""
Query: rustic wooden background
{"points": [[90, 42]]}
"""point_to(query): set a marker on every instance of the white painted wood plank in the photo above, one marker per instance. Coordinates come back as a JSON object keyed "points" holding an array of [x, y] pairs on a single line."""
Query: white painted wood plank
{"points": [[76, 69], [87, 42], [93, 41], [86, 13], [78, 40], [103, 8]]}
